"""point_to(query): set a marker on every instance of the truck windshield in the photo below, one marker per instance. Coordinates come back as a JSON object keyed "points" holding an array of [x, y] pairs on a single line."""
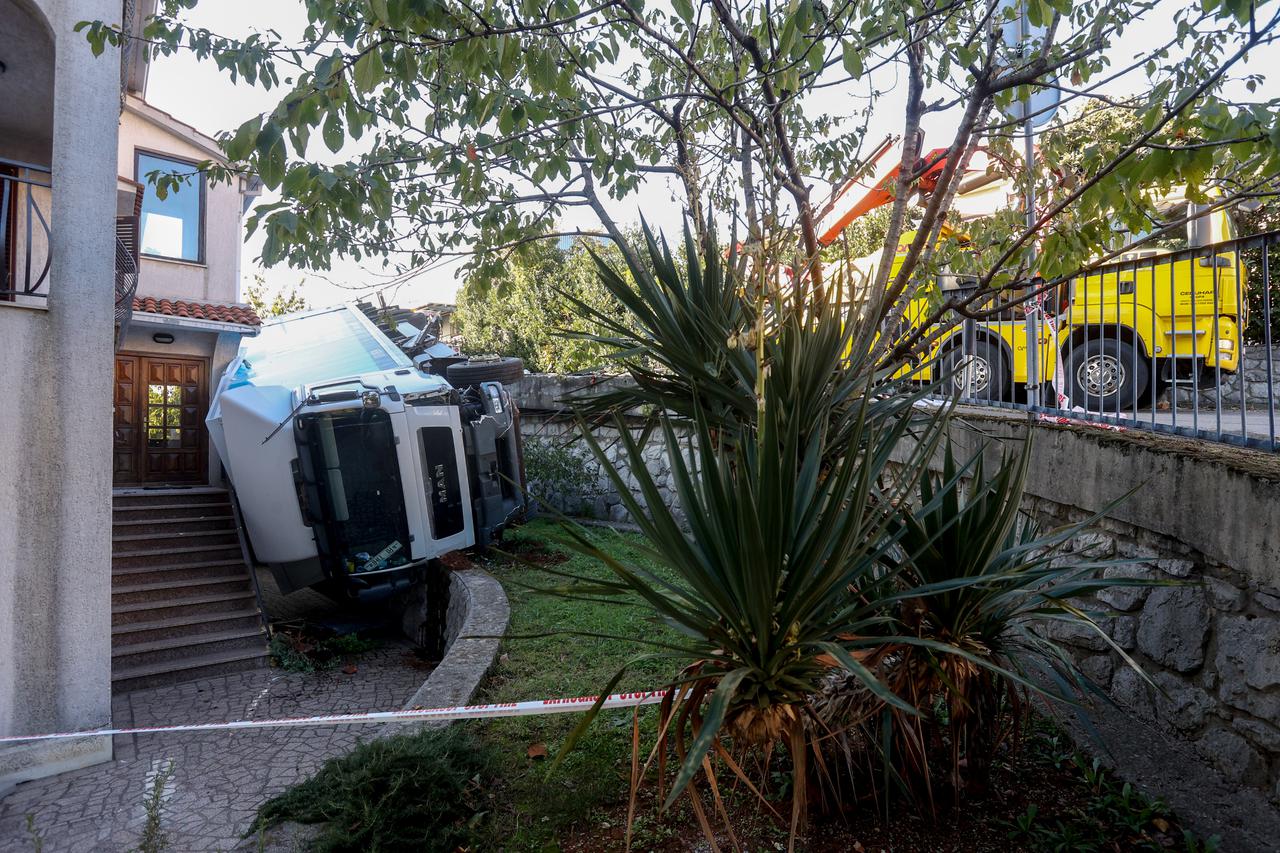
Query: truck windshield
{"points": [[352, 458], [315, 347]]}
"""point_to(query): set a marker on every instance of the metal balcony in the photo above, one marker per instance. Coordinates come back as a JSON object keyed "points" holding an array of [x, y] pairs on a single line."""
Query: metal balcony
{"points": [[25, 197]]}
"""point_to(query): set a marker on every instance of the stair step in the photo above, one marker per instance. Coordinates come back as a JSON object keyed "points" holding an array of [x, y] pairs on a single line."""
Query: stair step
{"points": [[125, 513], [174, 571], [184, 555], [185, 522], [168, 497], [134, 612], [154, 592], [128, 543], [201, 666], [188, 646], [132, 633]]}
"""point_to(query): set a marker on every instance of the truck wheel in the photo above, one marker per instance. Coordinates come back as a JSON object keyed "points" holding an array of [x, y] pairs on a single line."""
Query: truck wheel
{"points": [[1106, 375], [986, 366], [506, 369]]}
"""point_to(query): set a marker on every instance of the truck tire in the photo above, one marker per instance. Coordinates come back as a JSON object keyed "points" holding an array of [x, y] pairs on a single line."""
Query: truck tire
{"points": [[506, 369], [1106, 375], [990, 377]]}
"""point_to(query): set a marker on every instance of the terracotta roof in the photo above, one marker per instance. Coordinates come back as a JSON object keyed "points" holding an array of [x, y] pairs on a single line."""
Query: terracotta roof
{"points": [[218, 312]]}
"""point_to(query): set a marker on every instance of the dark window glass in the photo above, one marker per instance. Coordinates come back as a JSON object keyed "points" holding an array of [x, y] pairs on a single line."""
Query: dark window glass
{"points": [[171, 226]]}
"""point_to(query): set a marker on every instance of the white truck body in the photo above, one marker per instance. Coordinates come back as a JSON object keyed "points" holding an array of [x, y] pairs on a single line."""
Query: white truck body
{"points": [[352, 466]]}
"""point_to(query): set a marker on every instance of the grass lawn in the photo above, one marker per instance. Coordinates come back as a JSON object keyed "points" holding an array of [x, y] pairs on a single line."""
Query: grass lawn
{"points": [[535, 808], [1042, 798]]}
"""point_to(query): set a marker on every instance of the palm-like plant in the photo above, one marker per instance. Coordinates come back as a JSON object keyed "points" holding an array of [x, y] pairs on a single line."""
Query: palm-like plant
{"points": [[982, 580], [816, 546], [780, 578]]}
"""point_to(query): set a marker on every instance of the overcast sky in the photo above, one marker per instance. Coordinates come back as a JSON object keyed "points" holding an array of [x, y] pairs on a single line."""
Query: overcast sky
{"points": [[197, 93]]}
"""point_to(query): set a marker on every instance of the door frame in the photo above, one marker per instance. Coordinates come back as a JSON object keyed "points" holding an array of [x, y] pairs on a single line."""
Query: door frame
{"points": [[140, 415]]}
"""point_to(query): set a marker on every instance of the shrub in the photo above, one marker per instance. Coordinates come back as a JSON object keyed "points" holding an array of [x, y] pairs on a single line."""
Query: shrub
{"points": [[819, 547], [410, 792], [556, 475]]}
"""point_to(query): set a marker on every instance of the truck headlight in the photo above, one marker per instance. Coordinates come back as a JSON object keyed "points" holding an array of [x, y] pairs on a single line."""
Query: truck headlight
{"points": [[1226, 344]]}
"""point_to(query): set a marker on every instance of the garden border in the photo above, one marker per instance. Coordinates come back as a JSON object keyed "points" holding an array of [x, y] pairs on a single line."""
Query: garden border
{"points": [[477, 618]]}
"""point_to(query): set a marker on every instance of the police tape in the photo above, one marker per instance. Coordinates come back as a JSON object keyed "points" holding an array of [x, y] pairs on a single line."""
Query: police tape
{"points": [[457, 712]]}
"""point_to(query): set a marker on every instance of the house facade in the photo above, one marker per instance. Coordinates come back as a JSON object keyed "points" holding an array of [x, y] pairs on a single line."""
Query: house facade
{"points": [[118, 311], [185, 321], [59, 105]]}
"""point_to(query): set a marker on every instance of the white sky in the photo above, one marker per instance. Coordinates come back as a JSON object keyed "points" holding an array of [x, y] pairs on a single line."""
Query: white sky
{"points": [[198, 93]]}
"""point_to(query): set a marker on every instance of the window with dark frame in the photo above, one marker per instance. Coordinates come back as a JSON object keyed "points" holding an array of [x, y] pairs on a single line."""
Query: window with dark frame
{"points": [[172, 227]]}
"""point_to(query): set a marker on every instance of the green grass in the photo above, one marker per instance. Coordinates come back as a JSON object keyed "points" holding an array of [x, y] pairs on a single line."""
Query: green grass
{"points": [[489, 793], [536, 807]]}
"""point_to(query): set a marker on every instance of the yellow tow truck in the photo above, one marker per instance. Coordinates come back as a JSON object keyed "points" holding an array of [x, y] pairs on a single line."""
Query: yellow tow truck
{"points": [[1118, 334]]}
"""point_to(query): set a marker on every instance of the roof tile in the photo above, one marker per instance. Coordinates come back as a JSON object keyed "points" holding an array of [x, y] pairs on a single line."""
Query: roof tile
{"points": [[219, 312]]}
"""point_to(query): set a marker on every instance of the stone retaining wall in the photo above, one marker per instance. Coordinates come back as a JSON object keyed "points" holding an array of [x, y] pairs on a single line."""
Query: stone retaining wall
{"points": [[1203, 520], [475, 620], [1254, 374], [1204, 517]]}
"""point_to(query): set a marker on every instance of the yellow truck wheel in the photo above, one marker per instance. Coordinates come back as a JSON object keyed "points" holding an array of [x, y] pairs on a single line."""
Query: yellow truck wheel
{"points": [[988, 376], [1106, 375]]}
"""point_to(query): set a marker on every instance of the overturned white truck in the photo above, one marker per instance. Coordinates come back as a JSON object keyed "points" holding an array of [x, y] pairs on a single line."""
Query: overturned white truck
{"points": [[357, 459]]}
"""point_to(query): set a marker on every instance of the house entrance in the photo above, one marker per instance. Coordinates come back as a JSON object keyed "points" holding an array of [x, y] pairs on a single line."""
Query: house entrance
{"points": [[159, 432]]}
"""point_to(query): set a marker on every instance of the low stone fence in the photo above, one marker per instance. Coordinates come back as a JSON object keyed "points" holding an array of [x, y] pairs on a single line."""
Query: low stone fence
{"points": [[1260, 375], [475, 619], [1203, 516], [561, 469]]}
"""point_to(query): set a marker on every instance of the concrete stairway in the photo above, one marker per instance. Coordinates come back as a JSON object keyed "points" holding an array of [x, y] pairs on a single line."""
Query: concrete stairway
{"points": [[182, 601]]}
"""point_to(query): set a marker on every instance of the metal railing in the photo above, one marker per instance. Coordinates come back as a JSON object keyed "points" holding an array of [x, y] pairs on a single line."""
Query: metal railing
{"points": [[24, 230], [1178, 342]]}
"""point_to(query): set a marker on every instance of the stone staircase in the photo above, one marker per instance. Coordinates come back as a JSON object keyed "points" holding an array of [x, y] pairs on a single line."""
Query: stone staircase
{"points": [[182, 600]]}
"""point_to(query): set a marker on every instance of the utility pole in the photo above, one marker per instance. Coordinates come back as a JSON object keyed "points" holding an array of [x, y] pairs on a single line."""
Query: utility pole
{"points": [[1031, 309]]}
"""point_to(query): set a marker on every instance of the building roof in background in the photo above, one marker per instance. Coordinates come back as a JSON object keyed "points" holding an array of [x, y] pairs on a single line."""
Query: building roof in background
{"points": [[217, 312], [438, 307]]}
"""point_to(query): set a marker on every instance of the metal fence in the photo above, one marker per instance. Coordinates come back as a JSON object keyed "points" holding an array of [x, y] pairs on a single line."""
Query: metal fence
{"points": [[1173, 341], [24, 230]]}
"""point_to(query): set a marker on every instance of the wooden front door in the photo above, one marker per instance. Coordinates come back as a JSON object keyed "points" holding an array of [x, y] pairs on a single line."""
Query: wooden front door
{"points": [[160, 404]]}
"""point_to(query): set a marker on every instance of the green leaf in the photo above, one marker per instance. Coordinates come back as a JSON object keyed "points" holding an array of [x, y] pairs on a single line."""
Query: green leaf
{"points": [[334, 137], [852, 59], [369, 70]]}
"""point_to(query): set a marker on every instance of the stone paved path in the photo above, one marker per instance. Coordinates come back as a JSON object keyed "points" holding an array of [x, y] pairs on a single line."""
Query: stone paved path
{"points": [[219, 779]]}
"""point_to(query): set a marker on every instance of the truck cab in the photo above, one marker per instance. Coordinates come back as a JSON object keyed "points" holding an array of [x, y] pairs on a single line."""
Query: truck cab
{"points": [[353, 466]]}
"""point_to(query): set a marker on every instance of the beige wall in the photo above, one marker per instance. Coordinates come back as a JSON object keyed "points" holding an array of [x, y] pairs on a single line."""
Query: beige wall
{"points": [[218, 278], [55, 428]]}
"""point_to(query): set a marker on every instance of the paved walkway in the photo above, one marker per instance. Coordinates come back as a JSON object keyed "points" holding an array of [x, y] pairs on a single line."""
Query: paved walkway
{"points": [[219, 779]]}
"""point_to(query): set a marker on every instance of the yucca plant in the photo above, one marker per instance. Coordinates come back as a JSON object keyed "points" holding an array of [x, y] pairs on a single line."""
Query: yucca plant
{"points": [[789, 482], [779, 582], [810, 547], [698, 336], [969, 645]]}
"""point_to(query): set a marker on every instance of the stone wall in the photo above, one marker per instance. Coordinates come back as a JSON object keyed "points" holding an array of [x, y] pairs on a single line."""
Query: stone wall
{"points": [[1254, 375], [1202, 520], [561, 469]]}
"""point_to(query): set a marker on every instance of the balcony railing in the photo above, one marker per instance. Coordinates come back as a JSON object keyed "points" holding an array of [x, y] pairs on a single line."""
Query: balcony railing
{"points": [[25, 197]]}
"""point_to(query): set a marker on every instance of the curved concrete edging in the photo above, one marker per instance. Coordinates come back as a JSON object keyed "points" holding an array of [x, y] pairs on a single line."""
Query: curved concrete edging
{"points": [[477, 618]]}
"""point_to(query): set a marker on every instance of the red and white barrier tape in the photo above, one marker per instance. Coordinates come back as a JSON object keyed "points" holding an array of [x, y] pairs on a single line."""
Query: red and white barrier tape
{"points": [[1058, 383], [458, 712]]}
